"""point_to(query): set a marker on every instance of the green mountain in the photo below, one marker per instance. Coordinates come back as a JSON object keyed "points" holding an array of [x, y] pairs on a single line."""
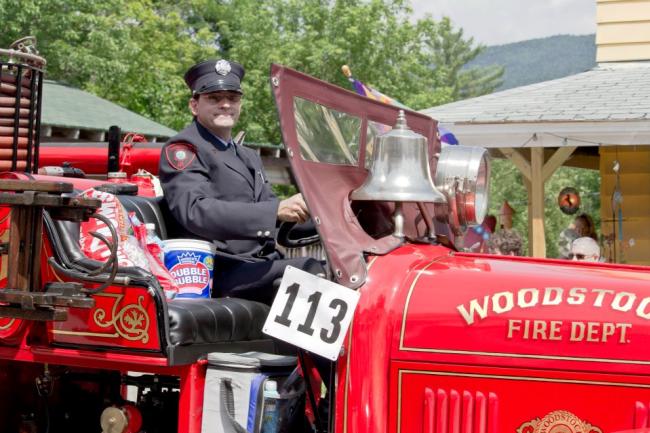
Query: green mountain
{"points": [[536, 60]]}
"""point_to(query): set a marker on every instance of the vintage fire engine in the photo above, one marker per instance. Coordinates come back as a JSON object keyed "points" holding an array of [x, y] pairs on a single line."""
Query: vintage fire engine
{"points": [[440, 342]]}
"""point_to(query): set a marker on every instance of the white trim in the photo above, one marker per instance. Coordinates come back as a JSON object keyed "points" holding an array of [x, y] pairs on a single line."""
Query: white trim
{"points": [[552, 134]]}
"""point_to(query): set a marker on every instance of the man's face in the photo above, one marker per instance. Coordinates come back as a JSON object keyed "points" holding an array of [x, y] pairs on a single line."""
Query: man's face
{"points": [[217, 111], [585, 251], [582, 257]]}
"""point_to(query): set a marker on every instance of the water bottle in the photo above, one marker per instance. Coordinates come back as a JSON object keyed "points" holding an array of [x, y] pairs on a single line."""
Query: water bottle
{"points": [[270, 414], [154, 243]]}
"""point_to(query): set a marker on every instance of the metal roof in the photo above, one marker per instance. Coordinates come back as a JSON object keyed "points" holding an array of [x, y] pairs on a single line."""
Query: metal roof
{"points": [[68, 107], [607, 105]]}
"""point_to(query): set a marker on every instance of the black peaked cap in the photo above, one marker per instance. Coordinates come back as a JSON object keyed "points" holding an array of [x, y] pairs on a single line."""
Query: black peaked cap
{"points": [[214, 75]]}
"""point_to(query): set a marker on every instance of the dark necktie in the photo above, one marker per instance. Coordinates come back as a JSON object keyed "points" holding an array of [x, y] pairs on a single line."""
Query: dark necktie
{"points": [[232, 148], [243, 158]]}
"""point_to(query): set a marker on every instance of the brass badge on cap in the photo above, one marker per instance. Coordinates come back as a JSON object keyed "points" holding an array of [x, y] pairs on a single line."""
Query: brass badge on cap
{"points": [[559, 421], [222, 67], [180, 155]]}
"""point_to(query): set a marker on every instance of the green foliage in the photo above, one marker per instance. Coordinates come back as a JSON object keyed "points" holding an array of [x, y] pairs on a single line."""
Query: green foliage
{"points": [[587, 182], [451, 53], [507, 183], [284, 191], [539, 60], [376, 38], [135, 52]]}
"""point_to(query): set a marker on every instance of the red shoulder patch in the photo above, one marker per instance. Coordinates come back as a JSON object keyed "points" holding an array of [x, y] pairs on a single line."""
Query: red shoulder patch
{"points": [[180, 155]]}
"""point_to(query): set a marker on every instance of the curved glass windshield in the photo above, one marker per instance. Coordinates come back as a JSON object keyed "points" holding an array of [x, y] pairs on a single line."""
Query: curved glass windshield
{"points": [[326, 135]]}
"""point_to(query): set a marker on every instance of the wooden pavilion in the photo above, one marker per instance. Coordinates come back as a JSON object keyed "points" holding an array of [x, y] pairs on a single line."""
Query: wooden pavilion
{"points": [[587, 120]]}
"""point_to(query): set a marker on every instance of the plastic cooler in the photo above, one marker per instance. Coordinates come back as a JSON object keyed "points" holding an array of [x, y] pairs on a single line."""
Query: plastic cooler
{"points": [[234, 388]]}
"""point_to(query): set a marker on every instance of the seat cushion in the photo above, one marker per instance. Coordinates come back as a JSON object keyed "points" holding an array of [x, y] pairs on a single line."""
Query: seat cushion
{"points": [[206, 321]]}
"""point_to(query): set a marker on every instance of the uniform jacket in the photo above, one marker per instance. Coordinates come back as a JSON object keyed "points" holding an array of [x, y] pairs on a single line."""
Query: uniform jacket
{"points": [[219, 195]]}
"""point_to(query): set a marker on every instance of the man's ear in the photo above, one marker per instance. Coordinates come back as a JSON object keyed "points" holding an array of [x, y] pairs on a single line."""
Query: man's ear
{"points": [[193, 104]]}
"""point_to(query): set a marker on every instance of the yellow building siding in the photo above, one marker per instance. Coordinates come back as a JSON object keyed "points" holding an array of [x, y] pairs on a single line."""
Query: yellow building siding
{"points": [[608, 11], [612, 53], [635, 187], [623, 30], [636, 33]]}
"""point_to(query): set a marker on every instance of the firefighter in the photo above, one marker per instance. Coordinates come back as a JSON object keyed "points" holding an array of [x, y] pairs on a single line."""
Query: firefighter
{"points": [[217, 189]]}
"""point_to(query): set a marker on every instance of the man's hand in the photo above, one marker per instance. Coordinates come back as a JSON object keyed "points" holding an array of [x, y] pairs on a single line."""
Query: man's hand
{"points": [[293, 209]]}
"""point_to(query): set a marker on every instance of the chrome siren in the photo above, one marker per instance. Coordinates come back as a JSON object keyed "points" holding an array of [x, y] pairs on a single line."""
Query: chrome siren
{"points": [[463, 175]]}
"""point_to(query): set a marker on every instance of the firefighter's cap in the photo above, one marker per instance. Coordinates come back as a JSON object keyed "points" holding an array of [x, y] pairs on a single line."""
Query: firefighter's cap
{"points": [[214, 75]]}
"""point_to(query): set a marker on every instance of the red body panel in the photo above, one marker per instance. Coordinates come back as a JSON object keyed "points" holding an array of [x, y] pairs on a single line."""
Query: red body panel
{"points": [[546, 315], [121, 318], [412, 350], [94, 160]]}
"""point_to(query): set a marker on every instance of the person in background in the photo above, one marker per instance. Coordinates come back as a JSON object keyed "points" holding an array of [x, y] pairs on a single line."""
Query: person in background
{"points": [[585, 249], [566, 238], [506, 243], [582, 226]]}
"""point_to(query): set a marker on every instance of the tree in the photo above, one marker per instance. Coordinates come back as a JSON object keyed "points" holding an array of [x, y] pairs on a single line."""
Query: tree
{"points": [[135, 52], [415, 62], [506, 183], [450, 55]]}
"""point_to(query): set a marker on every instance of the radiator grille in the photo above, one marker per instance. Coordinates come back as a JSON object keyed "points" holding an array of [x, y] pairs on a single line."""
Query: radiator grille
{"points": [[641, 411], [451, 411]]}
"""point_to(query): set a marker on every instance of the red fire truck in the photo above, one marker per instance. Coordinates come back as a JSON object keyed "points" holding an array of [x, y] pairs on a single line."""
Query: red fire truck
{"points": [[441, 341]]}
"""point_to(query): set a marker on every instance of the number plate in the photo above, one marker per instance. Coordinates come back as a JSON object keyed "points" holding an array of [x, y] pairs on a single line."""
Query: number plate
{"points": [[311, 312]]}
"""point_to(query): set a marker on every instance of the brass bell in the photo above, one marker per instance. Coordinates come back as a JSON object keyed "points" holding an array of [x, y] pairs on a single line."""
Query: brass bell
{"points": [[400, 168], [400, 171]]}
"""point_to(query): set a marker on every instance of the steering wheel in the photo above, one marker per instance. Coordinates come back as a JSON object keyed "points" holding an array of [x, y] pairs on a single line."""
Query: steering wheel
{"points": [[292, 235]]}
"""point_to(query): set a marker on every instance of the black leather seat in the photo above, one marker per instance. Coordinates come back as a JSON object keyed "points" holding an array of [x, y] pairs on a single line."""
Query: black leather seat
{"points": [[225, 317], [149, 210], [193, 327], [153, 210], [200, 326]]}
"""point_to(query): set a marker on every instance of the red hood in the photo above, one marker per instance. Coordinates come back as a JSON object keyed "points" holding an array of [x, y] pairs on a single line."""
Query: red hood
{"points": [[525, 312], [493, 329]]}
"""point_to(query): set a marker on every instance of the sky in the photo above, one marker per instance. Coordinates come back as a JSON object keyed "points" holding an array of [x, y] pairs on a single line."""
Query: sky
{"points": [[496, 22]]}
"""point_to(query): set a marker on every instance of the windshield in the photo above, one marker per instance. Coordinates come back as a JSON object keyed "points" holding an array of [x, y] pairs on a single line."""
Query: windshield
{"points": [[326, 135], [329, 134]]}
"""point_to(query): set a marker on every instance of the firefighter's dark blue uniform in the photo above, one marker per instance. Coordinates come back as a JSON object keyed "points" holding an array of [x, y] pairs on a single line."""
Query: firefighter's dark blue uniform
{"points": [[218, 191]]}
